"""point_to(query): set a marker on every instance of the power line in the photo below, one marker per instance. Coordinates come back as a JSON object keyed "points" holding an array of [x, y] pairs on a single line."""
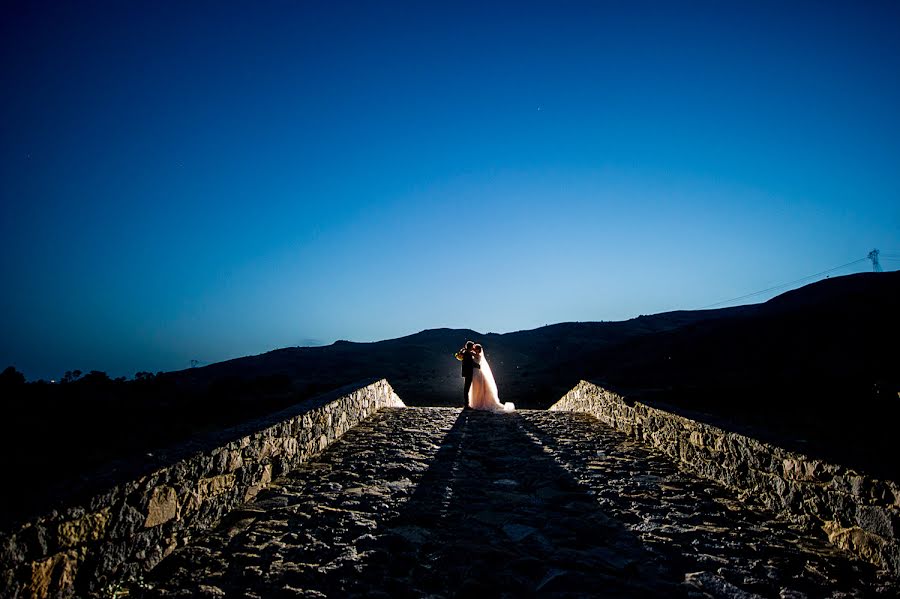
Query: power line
{"points": [[800, 280]]}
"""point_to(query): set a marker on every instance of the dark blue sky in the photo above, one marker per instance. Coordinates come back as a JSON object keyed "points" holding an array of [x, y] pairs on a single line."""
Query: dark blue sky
{"points": [[205, 180]]}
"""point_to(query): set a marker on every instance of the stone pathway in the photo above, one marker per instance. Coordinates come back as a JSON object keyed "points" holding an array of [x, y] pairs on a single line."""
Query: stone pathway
{"points": [[434, 502]]}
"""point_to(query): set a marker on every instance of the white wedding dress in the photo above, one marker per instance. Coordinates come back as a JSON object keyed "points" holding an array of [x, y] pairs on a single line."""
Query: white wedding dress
{"points": [[483, 393]]}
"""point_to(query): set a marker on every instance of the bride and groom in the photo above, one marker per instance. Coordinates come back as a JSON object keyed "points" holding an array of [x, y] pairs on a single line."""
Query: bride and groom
{"points": [[480, 390]]}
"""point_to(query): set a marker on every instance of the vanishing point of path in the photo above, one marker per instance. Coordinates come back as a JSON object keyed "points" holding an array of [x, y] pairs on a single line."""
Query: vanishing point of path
{"points": [[437, 502]]}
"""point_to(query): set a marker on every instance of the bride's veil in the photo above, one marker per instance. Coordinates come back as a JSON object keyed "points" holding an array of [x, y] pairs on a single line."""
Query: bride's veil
{"points": [[489, 377]]}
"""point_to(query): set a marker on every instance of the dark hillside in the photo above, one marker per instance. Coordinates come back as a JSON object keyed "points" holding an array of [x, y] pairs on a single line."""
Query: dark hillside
{"points": [[535, 366], [817, 368]]}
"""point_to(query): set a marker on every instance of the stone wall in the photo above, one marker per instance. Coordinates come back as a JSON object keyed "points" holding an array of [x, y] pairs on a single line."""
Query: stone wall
{"points": [[88, 548], [856, 512]]}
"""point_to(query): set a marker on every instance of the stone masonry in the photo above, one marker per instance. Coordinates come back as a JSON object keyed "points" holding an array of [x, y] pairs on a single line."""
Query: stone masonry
{"points": [[436, 502], [584, 499], [855, 512], [127, 529]]}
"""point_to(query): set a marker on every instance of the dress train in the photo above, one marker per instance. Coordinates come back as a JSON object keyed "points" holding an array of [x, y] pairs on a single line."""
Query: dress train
{"points": [[483, 393]]}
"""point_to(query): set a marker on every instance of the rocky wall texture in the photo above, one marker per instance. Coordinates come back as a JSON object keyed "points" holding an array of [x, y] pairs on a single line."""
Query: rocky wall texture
{"points": [[856, 512], [89, 548]]}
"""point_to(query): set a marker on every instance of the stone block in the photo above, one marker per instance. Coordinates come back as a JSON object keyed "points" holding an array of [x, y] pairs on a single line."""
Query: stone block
{"points": [[792, 469], [264, 479], [163, 506], [214, 485], [88, 528], [55, 575], [865, 544], [125, 522], [876, 520]]}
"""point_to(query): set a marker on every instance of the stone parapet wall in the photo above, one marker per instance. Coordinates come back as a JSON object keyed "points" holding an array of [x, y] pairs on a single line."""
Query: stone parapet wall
{"points": [[857, 513], [88, 548]]}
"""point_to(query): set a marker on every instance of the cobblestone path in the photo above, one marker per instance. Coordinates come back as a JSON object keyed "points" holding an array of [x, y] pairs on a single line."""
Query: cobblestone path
{"points": [[434, 501]]}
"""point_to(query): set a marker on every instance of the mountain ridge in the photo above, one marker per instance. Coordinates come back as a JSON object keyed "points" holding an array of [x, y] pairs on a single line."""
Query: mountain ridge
{"points": [[529, 348]]}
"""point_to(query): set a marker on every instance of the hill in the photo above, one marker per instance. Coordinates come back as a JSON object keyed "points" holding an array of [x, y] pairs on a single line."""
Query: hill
{"points": [[533, 367], [838, 332]]}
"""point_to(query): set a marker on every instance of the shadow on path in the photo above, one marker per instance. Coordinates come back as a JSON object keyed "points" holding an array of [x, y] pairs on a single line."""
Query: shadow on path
{"points": [[495, 515]]}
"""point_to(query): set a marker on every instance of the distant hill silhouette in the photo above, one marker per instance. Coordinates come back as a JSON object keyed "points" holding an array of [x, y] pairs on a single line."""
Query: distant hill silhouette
{"points": [[816, 369], [841, 331], [532, 367]]}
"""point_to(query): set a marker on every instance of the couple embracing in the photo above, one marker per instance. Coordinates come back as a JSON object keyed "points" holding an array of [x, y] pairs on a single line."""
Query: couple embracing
{"points": [[480, 391]]}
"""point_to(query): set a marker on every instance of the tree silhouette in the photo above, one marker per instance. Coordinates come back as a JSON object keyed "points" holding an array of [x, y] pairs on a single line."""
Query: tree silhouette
{"points": [[71, 376], [11, 378], [95, 377]]}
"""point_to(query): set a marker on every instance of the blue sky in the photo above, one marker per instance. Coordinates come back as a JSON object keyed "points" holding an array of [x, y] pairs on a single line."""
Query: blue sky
{"points": [[207, 180]]}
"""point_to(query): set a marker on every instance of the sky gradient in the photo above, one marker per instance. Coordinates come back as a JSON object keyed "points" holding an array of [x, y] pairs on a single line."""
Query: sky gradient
{"points": [[208, 180]]}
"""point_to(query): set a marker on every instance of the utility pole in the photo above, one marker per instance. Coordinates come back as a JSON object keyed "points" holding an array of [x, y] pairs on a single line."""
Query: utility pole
{"points": [[873, 256]]}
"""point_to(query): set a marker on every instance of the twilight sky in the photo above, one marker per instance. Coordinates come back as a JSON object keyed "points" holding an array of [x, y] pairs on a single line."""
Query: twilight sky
{"points": [[206, 180]]}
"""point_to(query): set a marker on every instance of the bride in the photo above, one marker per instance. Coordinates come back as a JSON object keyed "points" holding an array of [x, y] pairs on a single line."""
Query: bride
{"points": [[483, 393]]}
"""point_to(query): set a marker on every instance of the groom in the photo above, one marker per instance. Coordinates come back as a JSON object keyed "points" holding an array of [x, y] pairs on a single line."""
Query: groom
{"points": [[468, 368]]}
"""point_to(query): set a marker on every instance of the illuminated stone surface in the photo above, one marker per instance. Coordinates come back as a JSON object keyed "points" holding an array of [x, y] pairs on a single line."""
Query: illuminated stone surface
{"points": [[859, 513]]}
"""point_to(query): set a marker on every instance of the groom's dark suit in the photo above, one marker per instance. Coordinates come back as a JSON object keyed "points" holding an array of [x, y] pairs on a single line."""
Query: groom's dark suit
{"points": [[468, 368]]}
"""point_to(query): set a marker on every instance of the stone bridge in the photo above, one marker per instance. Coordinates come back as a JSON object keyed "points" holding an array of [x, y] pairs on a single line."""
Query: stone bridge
{"points": [[413, 502], [441, 502]]}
